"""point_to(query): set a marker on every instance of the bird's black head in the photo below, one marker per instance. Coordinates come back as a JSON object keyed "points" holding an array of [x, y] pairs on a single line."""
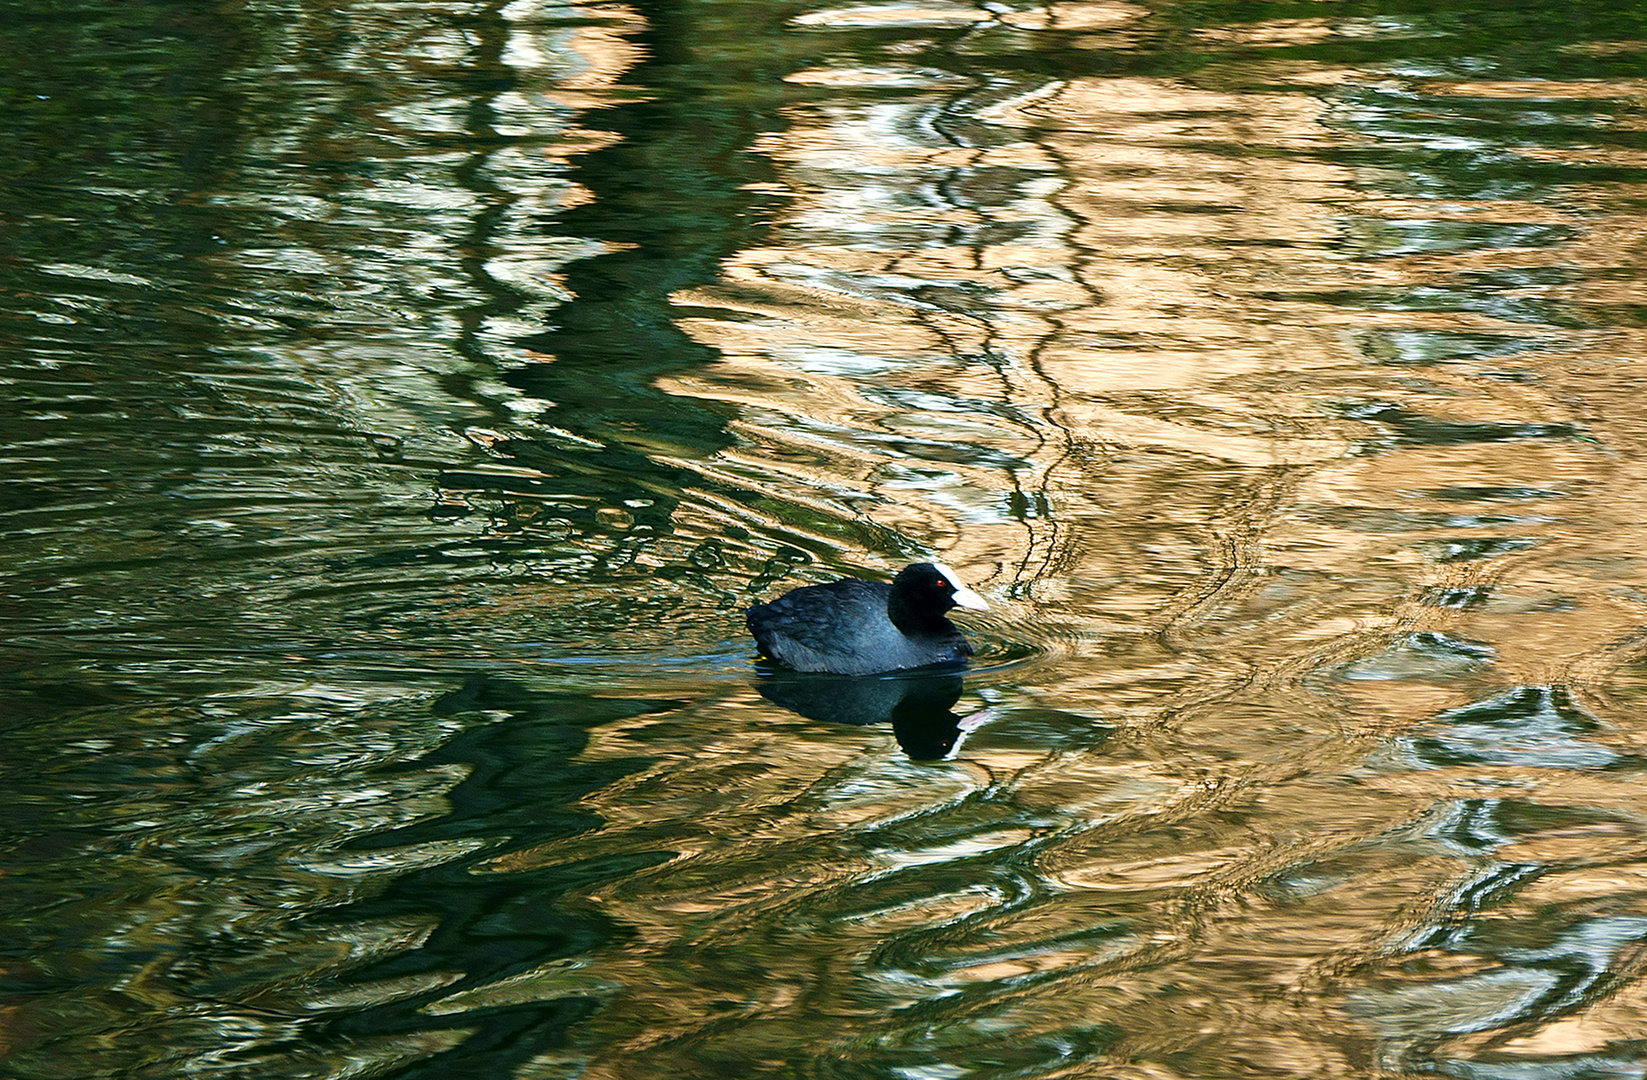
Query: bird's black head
{"points": [[924, 592]]}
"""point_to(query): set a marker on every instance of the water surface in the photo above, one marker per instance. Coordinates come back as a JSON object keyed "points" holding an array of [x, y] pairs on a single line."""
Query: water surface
{"points": [[402, 402]]}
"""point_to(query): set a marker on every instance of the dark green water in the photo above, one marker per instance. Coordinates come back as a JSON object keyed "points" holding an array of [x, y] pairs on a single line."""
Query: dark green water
{"points": [[401, 402]]}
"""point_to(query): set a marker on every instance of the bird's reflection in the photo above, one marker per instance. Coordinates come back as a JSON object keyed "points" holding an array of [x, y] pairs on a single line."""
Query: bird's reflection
{"points": [[919, 706]]}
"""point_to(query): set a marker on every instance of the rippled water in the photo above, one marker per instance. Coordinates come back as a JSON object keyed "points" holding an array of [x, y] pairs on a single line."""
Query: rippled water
{"points": [[402, 401]]}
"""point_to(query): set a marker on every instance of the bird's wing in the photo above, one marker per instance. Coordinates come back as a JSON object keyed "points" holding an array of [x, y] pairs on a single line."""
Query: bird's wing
{"points": [[814, 617]]}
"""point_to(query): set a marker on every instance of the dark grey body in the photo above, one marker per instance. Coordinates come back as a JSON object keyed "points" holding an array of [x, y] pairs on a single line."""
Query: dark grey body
{"points": [[844, 628]]}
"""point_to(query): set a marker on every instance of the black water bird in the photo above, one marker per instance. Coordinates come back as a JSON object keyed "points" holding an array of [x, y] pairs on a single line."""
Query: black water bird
{"points": [[856, 627]]}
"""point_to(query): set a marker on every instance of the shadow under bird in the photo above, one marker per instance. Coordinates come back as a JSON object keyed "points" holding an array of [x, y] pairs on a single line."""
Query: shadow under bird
{"points": [[856, 627], [918, 704]]}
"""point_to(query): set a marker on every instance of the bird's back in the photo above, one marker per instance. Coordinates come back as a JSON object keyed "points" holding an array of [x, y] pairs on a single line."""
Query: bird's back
{"points": [[843, 627]]}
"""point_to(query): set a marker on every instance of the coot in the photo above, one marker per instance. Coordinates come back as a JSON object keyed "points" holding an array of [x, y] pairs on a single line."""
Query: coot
{"points": [[854, 627]]}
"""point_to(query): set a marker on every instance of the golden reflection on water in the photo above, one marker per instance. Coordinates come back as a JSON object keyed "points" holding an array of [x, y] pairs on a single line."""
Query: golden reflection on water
{"points": [[1276, 460]]}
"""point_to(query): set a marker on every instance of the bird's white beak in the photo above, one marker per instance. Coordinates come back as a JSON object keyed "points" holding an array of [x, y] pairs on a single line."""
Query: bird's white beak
{"points": [[964, 597]]}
